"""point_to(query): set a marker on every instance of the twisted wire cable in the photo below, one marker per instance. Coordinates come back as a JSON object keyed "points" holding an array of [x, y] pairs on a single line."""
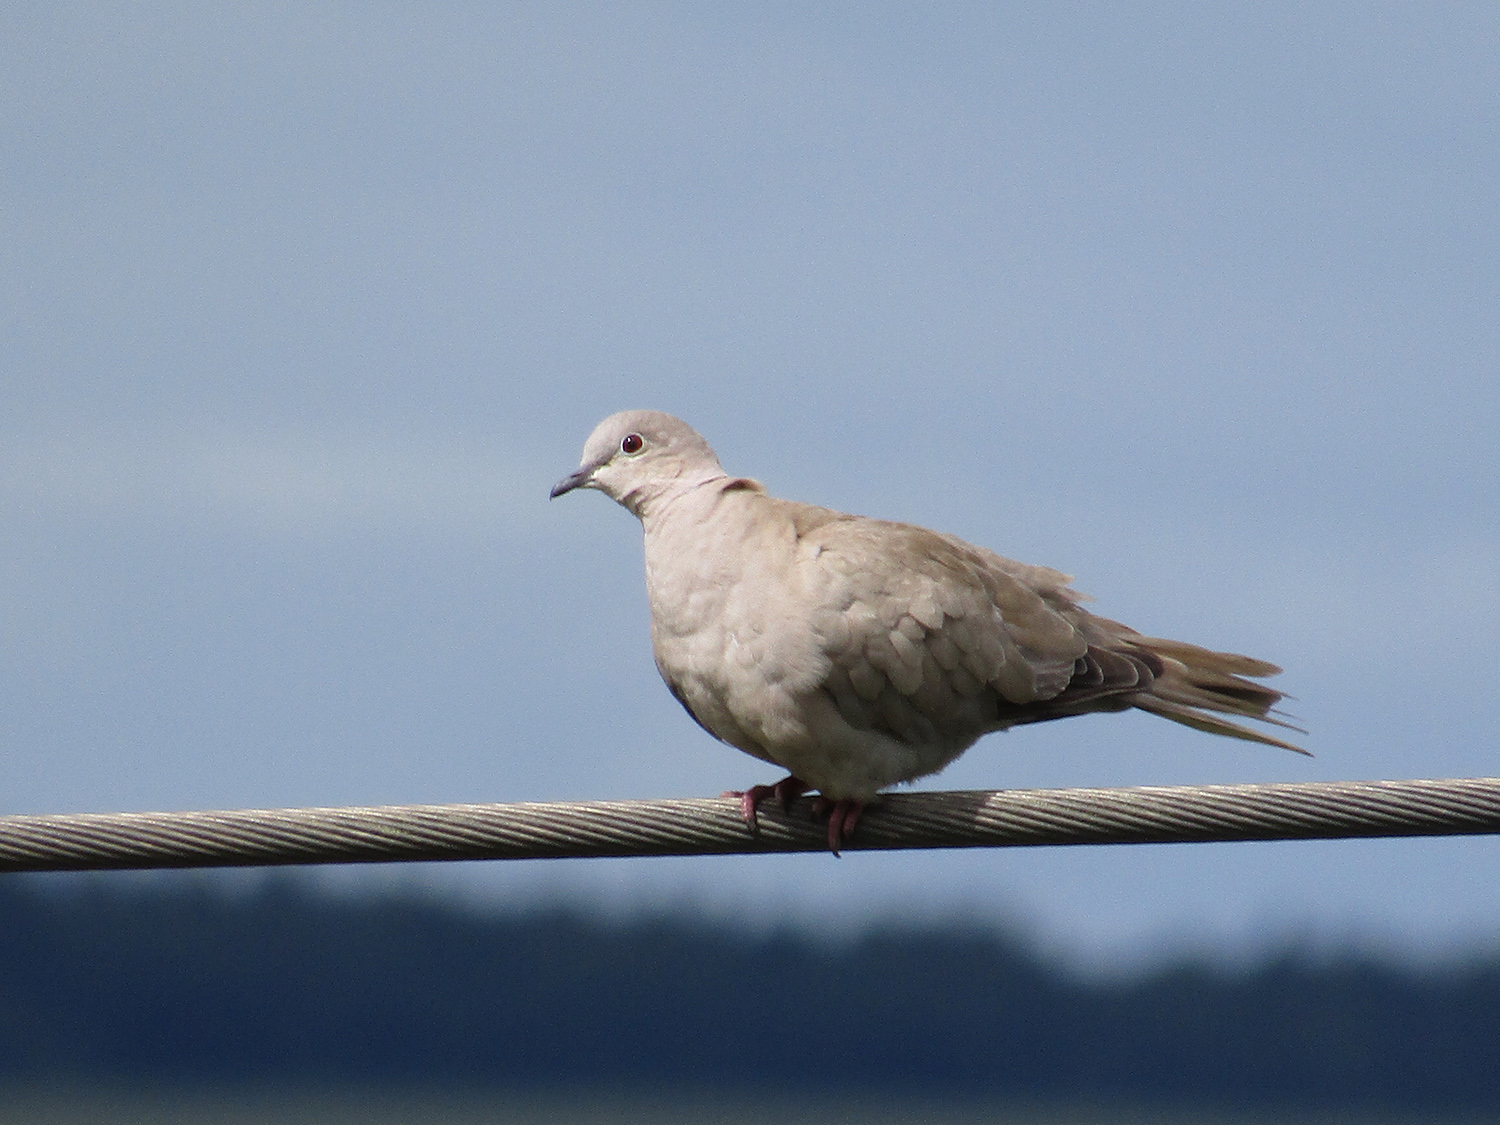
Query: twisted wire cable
{"points": [[712, 826]]}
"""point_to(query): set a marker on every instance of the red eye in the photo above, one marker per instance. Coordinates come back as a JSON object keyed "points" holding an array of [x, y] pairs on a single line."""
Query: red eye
{"points": [[633, 443]]}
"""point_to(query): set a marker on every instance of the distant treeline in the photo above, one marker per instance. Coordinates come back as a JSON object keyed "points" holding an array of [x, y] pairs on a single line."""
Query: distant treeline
{"points": [[290, 985]]}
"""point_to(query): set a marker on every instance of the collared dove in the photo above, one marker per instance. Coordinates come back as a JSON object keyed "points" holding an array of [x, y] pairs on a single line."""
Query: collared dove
{"points": [[858, 653]]}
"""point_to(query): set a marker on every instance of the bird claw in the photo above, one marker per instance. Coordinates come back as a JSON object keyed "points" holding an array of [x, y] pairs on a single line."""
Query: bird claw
{"points": [[843, 817], [785, 791]]}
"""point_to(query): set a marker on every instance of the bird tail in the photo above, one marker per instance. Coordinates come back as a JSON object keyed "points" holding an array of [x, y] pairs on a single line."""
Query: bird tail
{"points": [[1197, 685]]}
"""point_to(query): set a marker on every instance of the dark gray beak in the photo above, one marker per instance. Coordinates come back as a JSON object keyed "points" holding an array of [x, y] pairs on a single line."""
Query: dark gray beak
{"points": [[572, 481]]}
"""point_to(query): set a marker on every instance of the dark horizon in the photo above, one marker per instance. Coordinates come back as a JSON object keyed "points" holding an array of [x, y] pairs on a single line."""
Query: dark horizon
{"points": [[189, 983]]}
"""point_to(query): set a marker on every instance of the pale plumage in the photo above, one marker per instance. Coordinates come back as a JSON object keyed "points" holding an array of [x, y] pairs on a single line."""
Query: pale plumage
{"points": [[859, 653]]}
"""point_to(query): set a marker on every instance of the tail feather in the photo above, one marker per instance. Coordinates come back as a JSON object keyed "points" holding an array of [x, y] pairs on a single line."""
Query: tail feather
{"points": [[1196, 685], [1208, 691], [1202, 720], [1182, 682]]}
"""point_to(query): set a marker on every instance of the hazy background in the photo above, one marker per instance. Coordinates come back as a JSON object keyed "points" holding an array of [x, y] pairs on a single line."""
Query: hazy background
{"points": [[304, 308]]}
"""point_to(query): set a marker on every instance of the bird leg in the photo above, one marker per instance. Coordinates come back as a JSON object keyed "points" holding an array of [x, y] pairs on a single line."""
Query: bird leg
{"points": [[787, 790], [843, 816]]}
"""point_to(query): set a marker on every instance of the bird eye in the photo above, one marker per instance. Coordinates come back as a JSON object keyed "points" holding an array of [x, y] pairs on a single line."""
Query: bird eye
{"points": [[632, 443]]}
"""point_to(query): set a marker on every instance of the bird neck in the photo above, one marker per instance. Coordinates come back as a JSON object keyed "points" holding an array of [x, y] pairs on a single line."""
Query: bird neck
{"points": [[686, 493]]}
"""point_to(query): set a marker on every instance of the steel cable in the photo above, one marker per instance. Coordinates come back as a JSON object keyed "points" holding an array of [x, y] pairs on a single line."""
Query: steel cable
{"points": [[708, 826]]}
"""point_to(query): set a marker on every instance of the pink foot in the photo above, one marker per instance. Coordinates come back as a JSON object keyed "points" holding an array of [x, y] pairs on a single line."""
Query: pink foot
{"points": [[843, 818], [787, 790]]}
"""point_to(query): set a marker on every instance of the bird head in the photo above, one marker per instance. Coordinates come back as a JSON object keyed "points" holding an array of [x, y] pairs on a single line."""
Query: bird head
{"points": [[638, 457]]}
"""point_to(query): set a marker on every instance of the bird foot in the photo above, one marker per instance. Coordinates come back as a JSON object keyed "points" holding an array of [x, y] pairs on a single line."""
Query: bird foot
{"points": [[785, 791], [843, 817]]}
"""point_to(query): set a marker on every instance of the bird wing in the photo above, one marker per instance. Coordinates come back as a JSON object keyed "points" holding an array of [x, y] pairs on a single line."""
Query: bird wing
{"points": [[928, 637]]}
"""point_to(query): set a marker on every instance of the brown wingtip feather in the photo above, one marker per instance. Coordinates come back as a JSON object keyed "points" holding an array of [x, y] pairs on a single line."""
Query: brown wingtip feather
{"points": [[1206, 659]]}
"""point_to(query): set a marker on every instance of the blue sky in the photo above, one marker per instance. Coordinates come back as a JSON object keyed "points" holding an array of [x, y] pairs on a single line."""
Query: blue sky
{"points": [[305, 308]]}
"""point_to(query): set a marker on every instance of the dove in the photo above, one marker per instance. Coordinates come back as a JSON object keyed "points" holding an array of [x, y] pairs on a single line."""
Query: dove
{"points": [[860, 653]]}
